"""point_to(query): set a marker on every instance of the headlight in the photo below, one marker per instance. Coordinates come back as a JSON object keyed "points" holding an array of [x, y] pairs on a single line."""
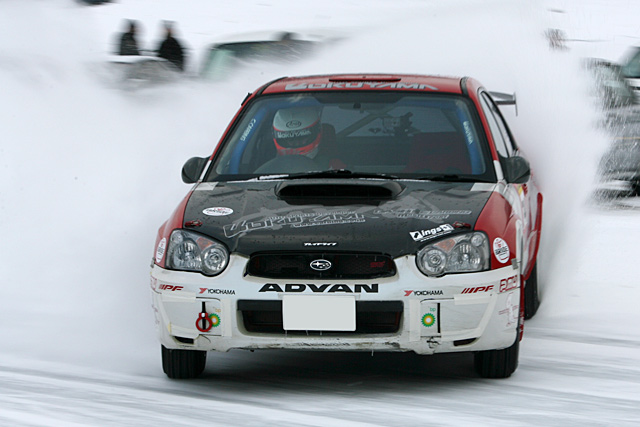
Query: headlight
{"points": [[460, 254], [193, 252]]}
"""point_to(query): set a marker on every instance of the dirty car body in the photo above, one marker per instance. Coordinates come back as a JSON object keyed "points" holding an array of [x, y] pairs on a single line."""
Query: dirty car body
{"points": [[414, 227], [619, 167], [257, 49]]}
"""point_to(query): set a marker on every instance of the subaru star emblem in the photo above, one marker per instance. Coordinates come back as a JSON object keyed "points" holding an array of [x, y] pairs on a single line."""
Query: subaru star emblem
{"points": [[320, 264]]}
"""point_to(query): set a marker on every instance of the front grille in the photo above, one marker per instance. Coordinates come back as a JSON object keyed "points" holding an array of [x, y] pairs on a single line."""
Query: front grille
{"points": [[299, 265], [372, 317]]}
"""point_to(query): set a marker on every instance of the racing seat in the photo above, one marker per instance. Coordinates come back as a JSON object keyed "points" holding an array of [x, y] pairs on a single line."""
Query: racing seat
{"points": [[328, 150], [438, 152]]}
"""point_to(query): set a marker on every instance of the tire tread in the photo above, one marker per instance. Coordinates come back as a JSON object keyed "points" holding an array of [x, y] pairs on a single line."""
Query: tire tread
{"points": [[497, 363], [183, 364], [531, 297]]}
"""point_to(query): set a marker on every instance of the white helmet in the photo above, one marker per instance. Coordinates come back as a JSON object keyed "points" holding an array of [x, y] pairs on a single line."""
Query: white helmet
{"points": [[297, 131]]}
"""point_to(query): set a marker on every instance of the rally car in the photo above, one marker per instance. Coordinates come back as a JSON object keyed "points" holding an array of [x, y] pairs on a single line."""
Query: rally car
{"points": [[133, 72], [619, 167], [357, 213], [257, 49]]}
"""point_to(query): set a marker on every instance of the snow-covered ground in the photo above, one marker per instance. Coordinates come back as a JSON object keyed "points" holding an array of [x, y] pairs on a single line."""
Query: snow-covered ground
{"points": [[88, 173]]}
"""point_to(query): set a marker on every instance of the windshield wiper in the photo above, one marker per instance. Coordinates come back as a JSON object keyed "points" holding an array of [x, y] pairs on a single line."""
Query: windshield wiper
{"points": [[450, 178], [332, 173]]}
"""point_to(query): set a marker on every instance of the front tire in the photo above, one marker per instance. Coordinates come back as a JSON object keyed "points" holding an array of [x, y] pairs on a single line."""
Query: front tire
{"points": [[497, 363], [183, 364], [531, 298]]}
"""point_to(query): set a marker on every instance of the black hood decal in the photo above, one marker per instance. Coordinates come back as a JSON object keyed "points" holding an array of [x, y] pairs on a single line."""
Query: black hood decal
{"points": [[249, 217]]}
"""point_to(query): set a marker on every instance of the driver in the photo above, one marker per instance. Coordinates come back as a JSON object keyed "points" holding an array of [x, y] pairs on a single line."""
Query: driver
{"points": [[297, 131]]}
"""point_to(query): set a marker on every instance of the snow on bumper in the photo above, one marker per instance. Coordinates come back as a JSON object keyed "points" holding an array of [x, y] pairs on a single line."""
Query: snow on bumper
{"points": [[461, 312]]}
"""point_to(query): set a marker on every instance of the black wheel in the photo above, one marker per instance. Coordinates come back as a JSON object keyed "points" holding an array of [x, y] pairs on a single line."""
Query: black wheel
{"points": [[531, 298], [497, 363], [183, 364]]}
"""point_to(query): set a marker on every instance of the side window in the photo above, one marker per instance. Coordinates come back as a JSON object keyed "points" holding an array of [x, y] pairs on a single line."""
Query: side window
{"points": [[498, 136], [502, 124]]}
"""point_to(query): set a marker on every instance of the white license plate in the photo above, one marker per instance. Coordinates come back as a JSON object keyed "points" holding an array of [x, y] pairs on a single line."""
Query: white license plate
{"points": [[318, 313]]}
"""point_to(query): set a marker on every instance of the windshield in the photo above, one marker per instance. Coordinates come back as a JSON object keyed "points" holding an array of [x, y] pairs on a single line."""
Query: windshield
{"points": [[390, 134], [631, 67], [222, 58], [611, 86]]}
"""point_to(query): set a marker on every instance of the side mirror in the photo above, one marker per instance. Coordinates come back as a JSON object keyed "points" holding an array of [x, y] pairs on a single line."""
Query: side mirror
{"points": [[517, 170], [193, 168]]}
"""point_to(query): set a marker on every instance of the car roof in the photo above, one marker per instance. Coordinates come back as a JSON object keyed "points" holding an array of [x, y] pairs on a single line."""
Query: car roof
{"points": [[356, 82], [312, 35], [133, 59]]}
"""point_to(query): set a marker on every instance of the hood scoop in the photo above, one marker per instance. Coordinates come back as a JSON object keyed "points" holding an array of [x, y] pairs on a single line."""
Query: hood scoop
{"points": [[338, 192]]}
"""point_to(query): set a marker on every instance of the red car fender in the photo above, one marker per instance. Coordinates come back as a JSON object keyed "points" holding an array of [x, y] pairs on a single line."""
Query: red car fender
{"points": [[498, 220], [496, 212], [176, 220]]}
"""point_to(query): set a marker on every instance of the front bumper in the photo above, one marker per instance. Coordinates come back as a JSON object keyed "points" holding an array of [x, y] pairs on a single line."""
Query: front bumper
{"points": [[406, 312]]}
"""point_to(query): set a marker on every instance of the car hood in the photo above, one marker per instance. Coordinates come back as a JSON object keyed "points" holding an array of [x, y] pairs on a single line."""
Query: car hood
{"points": [[395, 218]]}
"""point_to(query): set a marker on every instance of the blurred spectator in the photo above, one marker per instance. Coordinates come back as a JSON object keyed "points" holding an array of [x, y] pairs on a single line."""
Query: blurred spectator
{"points": [[557, 38], [170, 48], [128, 44]]}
